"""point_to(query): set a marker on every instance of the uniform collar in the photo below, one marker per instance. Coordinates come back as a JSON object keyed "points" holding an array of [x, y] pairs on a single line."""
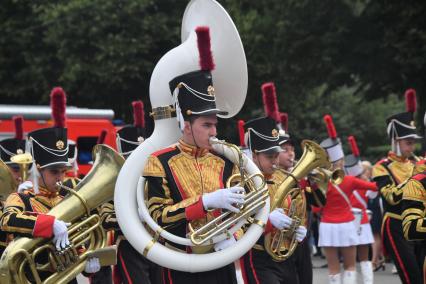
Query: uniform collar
{"points": [[191, 149], [394, 157], [46, 193]]}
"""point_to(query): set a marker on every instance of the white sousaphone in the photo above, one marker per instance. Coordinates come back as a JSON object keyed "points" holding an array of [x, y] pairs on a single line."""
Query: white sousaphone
{"points": [[230, 83]]}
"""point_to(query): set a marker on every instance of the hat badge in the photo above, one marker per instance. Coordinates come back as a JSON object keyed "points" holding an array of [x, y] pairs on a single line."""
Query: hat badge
{"points": [[412, 123], [210, 91], [60, 144], [140, 139], [274, 132], [19, 151]]}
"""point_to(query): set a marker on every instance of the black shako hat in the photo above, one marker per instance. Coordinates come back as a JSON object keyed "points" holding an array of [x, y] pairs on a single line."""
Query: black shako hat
{"points": [[193, 91], [129, 137], [49, 146], [262, 135], [401, 125]]}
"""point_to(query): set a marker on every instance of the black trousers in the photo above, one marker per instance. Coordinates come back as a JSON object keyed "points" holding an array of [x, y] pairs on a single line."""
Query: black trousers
{"points": [[133, 268], [303, 262], [261, 269], [224, 275], [103, 276], [401, 251]]}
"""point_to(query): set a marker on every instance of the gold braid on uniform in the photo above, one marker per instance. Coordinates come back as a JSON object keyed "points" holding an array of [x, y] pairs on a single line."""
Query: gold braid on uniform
{"points": [[414, 214]]}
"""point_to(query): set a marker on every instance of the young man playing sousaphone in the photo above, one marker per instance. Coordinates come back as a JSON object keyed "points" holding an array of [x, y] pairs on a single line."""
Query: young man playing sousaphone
{"points": [[389, 174], [25, 213], [8, 148], [132, 267], [259, 266], [186, 181]]}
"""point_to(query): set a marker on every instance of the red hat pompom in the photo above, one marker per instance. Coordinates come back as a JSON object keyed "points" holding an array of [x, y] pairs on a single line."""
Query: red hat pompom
{"points": [[284, 120], [19, 128], [102, 136], [354, 146], [270, 101], [58, 103], [330, 126], [410, 100], [204, 48], [138, 114], [241, 132]]}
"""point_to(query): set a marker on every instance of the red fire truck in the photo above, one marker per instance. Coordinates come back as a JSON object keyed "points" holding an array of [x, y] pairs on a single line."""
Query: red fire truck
{"points": [[84, 126]]}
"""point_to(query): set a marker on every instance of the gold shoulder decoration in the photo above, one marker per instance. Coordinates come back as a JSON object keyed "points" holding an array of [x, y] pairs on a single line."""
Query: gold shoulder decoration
{"points": [[154, 168], [413, 190], [379, 170]]}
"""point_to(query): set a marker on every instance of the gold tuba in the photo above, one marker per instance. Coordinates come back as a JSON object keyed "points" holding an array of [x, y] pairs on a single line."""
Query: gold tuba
{"points": [[8, 183], [21, 257], [23, 160], [280, 244]]}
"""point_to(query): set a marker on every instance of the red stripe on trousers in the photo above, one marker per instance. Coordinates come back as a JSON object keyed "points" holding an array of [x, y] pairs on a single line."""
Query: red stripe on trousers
{"points": [[398, 258], [243, 271], [252, 267], [125, 269]]}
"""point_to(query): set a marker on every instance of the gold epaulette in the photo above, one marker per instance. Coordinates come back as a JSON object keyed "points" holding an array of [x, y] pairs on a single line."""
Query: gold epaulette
{"points": [[379, 170], [414, 190], [14, 200], [154, 168]]}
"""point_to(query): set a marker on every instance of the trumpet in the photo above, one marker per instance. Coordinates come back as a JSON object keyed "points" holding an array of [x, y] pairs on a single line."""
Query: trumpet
{"points": [[320, 175], [417, 158], [23, 160]]}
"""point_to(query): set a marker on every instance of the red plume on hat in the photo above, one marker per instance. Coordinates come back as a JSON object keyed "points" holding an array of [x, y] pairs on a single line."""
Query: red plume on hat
{"points": [[354, 146], [284, 120], [58, 103], [410, 100], [102, 136], [19, 127], [332, 133], [138, 114], [241, 132], [270, 101], [204, 48]]}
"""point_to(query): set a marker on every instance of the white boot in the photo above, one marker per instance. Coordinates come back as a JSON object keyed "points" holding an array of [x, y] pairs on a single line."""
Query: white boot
{"points": [[334, 279], [367, 272], [349, 277]]}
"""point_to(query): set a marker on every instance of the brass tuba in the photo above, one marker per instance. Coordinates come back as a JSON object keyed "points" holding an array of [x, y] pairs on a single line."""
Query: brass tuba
{"points": [[24, 161], [22, 255], [8, 183], [280, 244]]}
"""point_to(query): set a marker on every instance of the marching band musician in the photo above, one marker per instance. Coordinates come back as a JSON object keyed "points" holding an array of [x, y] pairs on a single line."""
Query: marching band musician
{"points": [[8, 148], [25, 213], [414, 210], [263, 141], [301, 258], [359, 199], [338, 231], [185, 182], [391, 172], [132, 267]]}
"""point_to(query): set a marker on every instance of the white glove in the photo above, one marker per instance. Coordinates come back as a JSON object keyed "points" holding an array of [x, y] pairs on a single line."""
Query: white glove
{"points": [[279, 220], [24, 186], [92, 265], [60, 232], [301, 233], [224, 198], [226, 243], [371, 194]]}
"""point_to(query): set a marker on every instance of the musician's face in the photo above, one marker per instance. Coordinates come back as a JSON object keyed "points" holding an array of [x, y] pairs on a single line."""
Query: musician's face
{"points": [[15, 172], [286, 157], [50, 176], [200, 130], [266, 162], [407, 146]]}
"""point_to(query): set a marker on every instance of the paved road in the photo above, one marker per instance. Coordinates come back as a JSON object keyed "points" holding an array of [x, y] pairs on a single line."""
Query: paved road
{"points": [[321, 274], [380, 277]]}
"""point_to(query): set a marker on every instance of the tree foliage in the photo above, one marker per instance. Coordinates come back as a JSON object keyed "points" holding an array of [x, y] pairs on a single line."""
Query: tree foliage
{"points": [[352, 59]]}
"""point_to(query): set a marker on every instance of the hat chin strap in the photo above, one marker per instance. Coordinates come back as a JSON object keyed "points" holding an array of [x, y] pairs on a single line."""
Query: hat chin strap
{"points": [[395, 147], [34, 171], [179, 115]]}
